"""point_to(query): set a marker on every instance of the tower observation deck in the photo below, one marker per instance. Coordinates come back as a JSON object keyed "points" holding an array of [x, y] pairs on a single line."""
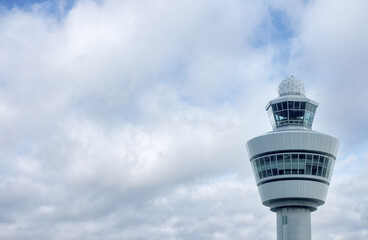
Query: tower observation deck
{"points": [[292, 164]]}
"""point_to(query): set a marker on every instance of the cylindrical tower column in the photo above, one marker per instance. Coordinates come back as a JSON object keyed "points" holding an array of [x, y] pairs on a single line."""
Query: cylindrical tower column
{"points": [[293, 223]]}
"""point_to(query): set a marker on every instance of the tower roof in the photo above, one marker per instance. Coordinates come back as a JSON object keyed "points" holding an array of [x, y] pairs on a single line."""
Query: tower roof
{"points": [[291, 86]]}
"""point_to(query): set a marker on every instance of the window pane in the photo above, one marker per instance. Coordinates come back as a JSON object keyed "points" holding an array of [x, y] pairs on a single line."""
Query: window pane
{"points": [[258, 164], [309, 107], [329, 167], [273, 165], [277, 116], [319, 173], [258, 168], [307, 116], [297, 105], [283, 115], [272, 117], [287, 163], [273, 161], [324, 172], [296, 116], [284, 105], [302, 105], [262, 163], [320, 166], [294, 164], [315, 165], [314, 170], [279, 106], [300, 115], [280, 164], [330, 163], [274, 109], [290, 105], [255, 169], [301, 163], [308, 169], [325, 163], [313, 108], [309, 159], [267, 162]]}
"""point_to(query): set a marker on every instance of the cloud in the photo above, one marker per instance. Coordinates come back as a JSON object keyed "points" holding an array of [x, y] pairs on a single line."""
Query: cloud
{"points": [[331, 51], [126, 119]]}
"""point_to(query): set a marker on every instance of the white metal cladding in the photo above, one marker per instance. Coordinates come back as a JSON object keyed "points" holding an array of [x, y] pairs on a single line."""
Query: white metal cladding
{"points": [[292, 140], [292, 189]]}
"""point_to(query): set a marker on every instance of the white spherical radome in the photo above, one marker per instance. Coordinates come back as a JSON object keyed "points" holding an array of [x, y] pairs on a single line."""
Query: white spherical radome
{"points": [[291, 86]]}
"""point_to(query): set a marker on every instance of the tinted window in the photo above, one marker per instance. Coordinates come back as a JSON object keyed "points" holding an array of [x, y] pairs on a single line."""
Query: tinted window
{"points": [[294, 163], [302, 105]]}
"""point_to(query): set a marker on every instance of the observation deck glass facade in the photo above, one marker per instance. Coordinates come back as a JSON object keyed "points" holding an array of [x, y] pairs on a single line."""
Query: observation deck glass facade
{"points": [[297, 113], [292, 164]]}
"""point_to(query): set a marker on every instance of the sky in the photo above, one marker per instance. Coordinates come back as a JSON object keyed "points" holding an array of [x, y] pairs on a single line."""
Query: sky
{"points": [[127, 119]]}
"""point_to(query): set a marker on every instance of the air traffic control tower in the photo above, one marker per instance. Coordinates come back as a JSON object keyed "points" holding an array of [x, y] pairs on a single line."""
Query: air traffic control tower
{"points": [[292, 164]]}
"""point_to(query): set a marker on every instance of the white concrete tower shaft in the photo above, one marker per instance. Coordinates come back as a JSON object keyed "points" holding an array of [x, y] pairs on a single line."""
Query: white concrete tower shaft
{"points": [[293, 223], [292, 164]]}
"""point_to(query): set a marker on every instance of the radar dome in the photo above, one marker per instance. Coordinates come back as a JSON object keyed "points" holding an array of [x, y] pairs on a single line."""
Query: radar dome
{"points": [[291, 86]]}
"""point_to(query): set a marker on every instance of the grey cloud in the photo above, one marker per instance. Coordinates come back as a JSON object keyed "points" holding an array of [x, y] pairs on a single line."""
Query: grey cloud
{"points": [[128, 120], [331, 51]]}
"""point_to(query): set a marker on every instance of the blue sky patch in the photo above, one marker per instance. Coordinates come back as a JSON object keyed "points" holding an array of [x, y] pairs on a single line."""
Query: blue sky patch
{"points": [[55, 8]]}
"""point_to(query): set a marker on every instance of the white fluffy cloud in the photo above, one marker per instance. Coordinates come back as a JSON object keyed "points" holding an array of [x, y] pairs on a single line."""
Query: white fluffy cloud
{"points": [[127, 119]]}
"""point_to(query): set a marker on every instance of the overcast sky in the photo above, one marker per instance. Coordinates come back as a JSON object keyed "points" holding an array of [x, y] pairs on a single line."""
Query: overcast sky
{"points": [[127, 119]]}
